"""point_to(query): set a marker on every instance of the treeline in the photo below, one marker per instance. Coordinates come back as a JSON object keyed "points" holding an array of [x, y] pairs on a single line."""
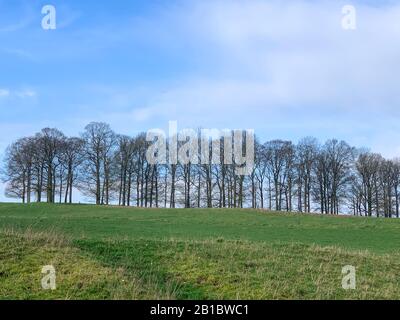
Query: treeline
{"points": [[109, 168]]}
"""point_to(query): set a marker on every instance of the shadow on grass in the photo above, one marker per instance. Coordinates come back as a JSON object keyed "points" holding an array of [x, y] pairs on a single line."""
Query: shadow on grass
{"points": [[151, 260]]}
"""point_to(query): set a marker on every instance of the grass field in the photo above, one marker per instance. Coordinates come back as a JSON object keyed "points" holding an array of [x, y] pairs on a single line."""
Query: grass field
{"points": [[126, 253]]}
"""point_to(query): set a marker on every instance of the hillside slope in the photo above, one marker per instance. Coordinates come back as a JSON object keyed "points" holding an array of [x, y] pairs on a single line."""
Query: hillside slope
{"points": [[196, 254]]}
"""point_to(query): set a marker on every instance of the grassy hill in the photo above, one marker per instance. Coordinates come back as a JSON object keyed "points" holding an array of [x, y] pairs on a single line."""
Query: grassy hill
{"points": [[127, 253]]}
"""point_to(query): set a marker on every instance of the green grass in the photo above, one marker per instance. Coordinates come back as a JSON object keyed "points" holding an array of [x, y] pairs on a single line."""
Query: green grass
{"points": [[126, 253]]}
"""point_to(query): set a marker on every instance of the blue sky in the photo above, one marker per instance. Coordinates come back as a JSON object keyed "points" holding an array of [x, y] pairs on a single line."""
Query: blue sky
{"points": [[284, 68]]}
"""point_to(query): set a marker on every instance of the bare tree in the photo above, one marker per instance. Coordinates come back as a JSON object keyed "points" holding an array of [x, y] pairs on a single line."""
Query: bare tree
{"points": [[96, 174], [110, 168]]}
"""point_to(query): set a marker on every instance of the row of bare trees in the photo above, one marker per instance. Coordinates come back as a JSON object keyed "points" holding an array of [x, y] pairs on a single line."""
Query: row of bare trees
{"points": [[107, 168]]}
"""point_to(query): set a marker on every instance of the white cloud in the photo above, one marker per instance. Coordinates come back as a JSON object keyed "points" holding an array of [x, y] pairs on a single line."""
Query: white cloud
{"points": [[23, 54], [4, 93], [285, 68], [26, 93], [283, 65], [22, 94], [299, 51]]}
